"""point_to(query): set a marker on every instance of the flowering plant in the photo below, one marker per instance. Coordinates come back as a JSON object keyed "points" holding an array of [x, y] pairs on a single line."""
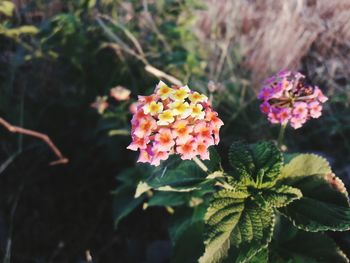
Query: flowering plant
{"points": [[265, 204]]}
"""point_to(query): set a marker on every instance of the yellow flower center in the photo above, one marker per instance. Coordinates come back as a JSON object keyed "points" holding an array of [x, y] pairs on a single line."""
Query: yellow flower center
{"points": [[165, 118], [196, 97], [164, 92], [197, 111], [153, 108], [180, 94]]}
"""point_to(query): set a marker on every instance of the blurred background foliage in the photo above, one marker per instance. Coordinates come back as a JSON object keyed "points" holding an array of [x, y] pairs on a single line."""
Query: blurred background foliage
{"points": [[56, 57]]}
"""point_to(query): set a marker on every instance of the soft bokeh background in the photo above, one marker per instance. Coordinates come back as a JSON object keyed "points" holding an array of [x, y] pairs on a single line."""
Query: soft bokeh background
{"points": [[74, 51]]}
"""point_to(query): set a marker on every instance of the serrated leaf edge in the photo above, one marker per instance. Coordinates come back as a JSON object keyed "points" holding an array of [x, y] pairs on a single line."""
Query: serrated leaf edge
{"points": [[321, 228]]}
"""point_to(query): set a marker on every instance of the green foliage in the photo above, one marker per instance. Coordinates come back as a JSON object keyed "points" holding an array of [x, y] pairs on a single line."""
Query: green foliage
{"points": [[16, 32], [239, 222], [261, 257], [239, 228], [305, 165], [239, 209], [221, 219], [7, 8], [186, 176], [308, 247], [324, 205], [293, 245], [124, 201], [258, 164], [280, 196], [186, 230]]}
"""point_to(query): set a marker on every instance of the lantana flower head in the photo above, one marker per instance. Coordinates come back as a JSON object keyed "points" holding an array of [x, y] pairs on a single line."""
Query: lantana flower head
{"points": [[287, 98], [120, 93], [100, 104], [173, 120]]}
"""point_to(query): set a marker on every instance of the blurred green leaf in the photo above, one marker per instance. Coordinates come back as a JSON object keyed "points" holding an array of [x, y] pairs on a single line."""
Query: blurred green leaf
{"points": [[7, 8], [22, 30], [124, 203], [190, 237], [168, 199]]}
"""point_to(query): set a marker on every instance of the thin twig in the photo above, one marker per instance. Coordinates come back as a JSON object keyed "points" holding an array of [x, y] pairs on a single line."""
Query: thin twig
{"points": [[120, 42], [9, 160], [161, 74], [7, 257], [119, 132], [140, 55], [154, 27], [281, 136], [131, 37], [15, 129]]}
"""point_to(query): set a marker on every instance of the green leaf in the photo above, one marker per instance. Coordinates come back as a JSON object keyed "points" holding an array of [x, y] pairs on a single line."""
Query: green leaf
{"points": [[191, 237], [7, 8], [15, 32], [261, 162], [222, 216], [261, 257], [123, 197], [169, 199], [29, 30], [280, 196], [214, 162], [186, 230], [237, 226], [307, 247], [133, 176], [91, 3], [324, 205], [252, 234], [313, 215], [306, 164], [124, 203], [241, 158], [183, 218], [185, 177]]}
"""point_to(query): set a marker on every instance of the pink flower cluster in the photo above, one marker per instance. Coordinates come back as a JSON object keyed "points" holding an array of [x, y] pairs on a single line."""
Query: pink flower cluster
{"points": [[119, 93], [286, 98], [173, 120]]}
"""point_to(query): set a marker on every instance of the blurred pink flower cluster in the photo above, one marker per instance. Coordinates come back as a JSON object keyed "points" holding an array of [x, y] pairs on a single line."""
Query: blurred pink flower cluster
{"points": [[286, 98], [118, 93], [173, 120]]}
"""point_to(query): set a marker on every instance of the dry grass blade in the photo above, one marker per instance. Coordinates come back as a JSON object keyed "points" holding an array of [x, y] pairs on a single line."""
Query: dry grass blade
{"points": [[273, 35]]}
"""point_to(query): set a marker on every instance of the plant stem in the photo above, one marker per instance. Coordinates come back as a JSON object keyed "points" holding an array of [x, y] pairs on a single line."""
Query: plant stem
{"points": [[281, 135], [16, 129], [220, 181], [200, 164]]}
